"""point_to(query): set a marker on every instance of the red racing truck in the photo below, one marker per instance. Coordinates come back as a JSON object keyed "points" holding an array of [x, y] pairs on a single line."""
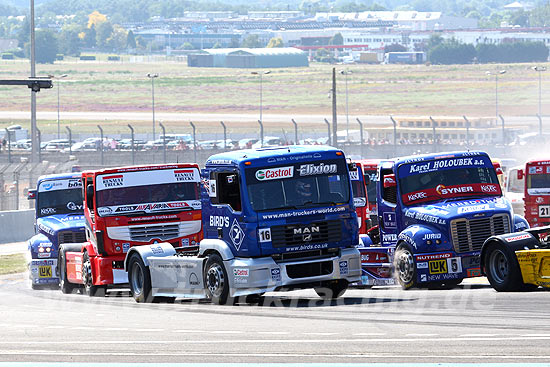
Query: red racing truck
{"points": [[126, 207], [359, 188], [536, 179], [369, 173]]}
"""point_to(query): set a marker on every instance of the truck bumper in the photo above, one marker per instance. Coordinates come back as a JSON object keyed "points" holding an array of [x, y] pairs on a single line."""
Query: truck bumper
{"points": [[43, 271], [446, 266], [376, 266], [260, 275]]}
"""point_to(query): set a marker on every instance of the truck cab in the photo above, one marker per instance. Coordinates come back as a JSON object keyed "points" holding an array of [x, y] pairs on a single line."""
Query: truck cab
{"points": [[359, 191], [59, 219], [370, 169], [273, 218], [126, 207], [536, 191], [435, 212]]}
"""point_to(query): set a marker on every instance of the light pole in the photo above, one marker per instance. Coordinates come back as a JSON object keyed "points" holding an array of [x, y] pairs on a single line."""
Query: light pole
{"points": [[345, 73], [58, 87], [152, 77], [496, 74], [260, 73], [539, 70]]}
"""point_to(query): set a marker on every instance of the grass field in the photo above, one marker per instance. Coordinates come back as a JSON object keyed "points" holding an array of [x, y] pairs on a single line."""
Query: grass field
{"points": [[10, 264], [372, 90]]}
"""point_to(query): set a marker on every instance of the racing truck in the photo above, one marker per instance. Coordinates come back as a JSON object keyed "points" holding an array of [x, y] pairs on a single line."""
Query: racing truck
{"points": [[434, 213], [126, 207], [370, 167], [534, 178], [273, 218], [359, 192], [518, 261], [59, 219]]}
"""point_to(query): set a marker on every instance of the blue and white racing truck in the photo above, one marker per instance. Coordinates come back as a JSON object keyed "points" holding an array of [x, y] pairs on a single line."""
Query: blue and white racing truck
{"points": [[273, 218], [59, 219], [434, 213]]}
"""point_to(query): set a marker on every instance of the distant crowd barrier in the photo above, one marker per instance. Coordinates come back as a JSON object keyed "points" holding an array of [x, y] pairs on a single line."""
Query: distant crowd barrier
{"points": [[16, 225]]}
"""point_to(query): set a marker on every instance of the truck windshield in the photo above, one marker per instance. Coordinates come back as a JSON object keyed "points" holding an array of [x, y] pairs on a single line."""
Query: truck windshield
{"points": [[60, 197], [538, 180], [300, 185], [447, 178]]}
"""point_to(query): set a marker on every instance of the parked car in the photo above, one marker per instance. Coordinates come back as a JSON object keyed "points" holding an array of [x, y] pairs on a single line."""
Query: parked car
{"points": [[126, 144], [269, 141], [247, 143]]}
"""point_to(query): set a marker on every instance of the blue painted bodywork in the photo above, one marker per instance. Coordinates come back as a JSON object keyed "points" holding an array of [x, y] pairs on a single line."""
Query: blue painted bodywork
{"points": [[243, 229], [426, 228], [47, 229]]}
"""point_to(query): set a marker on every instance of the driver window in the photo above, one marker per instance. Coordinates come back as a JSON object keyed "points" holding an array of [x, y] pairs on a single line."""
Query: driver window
{"points": [[389, 194], [228, 190]]}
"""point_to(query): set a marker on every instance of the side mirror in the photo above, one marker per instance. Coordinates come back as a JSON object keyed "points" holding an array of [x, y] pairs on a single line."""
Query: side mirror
{"points": [[499, 171], [90, 197], [352, 167], [389, 181], [31, 195], [520, 174]]}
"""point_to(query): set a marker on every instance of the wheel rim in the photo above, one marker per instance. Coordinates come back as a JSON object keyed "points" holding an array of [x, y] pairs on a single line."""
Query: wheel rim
{"points": [[215, 280], [405, 266], [498, 266], [137, 279]]}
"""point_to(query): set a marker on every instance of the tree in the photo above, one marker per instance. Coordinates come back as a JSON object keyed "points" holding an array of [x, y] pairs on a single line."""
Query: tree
{"points": [[337, 39], [24, 34], [452, 52], [104, 31], [131, 41], [275, 42], [217, 45], [96, 18], [88, 37], [520, 18], [69, 40], [45, 47], [118, 39], [188, 46], [540, 16], [252, 41], [396, 47]]}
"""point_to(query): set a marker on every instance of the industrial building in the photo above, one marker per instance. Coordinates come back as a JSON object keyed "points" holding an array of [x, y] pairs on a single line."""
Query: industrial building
{"points": [[249, 58]]}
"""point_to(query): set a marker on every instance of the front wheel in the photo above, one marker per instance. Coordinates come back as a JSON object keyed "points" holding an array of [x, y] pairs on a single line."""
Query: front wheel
{"points": [[87, 278], [405, 267], [332, 289], [66, 286], [502, 268], [216, 280], [139, 279]]}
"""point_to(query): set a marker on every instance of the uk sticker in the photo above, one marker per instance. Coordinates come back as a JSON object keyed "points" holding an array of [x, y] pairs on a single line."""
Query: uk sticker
{"points": [[185, 242], [125, 247], [276, 275], [343, 268]]}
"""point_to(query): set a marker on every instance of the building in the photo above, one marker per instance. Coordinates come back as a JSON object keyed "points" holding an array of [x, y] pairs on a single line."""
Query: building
{"points": [[249, 58]]}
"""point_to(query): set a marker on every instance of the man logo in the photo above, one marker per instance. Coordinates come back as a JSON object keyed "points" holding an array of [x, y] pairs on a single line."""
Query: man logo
{"points": [[307, 237]]}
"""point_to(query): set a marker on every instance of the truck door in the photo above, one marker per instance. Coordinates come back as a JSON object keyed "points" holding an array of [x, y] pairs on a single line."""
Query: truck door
{"points": [[224, 220], [387, 205]]}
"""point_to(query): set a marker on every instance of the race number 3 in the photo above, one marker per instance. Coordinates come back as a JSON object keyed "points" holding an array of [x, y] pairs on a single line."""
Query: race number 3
{"points": [[265, 234]]}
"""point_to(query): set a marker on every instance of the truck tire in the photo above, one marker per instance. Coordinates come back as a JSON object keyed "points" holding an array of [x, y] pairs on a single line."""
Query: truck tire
{"points": [[89, 288], [332, 289], [66, 286], [139, 279], [405, 269], [502, 268], [216, 281]]}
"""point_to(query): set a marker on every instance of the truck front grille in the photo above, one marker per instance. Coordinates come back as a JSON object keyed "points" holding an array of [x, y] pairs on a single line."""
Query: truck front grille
{"points": [[470, 234], [146, 233], [71, 237], [297, 234]]}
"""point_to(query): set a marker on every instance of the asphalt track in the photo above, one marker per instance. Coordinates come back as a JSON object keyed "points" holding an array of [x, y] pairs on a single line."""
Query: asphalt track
{"points": [[470, 324]]}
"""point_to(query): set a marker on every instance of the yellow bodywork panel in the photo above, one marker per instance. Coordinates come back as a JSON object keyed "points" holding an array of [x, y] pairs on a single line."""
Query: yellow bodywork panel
{"points": [[535, 266]]}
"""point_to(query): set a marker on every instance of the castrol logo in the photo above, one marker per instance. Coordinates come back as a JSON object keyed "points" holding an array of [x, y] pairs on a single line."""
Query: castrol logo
{"points": [[274, 173]]}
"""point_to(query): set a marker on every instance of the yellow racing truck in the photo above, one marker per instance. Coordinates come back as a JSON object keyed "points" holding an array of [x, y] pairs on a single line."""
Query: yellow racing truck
{"points": [[518, 261]]}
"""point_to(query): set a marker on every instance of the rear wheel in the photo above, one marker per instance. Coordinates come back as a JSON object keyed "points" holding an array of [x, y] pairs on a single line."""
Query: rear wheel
{"points": [[404, 267], [333, 289], [87, 278], [64, 284], [502, 268], [216, 281]]}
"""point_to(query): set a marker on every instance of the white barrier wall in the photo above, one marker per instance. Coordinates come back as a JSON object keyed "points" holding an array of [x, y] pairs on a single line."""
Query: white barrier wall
{"points": [[16, 225]]}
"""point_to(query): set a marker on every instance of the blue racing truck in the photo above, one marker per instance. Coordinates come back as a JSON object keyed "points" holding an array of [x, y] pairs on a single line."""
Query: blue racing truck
{"points": [[434, 213], [59, 219], [273, 218]]}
